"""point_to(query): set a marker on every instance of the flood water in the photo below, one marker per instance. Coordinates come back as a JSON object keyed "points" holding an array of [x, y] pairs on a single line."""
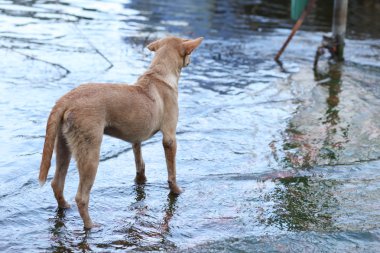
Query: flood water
{"points": [[270, 159]]}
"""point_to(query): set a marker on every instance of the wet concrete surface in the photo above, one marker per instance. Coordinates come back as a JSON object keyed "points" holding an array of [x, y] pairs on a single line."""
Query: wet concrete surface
{"points": [[271, 159]]}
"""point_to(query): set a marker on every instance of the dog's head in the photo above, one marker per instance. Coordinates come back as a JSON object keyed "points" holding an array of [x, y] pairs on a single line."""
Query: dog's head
{"points": [[183, 47]]}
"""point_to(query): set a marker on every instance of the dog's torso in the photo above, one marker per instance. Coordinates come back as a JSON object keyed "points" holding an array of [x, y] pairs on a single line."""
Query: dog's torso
{"points": [[129, 112]]}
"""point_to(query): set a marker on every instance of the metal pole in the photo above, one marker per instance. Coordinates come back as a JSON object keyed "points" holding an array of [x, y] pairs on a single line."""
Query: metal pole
{"points": [[339, 26]]}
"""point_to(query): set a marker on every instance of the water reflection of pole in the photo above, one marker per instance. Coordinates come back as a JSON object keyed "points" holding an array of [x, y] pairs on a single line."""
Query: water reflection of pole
{"points": [[333, 141], [334, 86]]}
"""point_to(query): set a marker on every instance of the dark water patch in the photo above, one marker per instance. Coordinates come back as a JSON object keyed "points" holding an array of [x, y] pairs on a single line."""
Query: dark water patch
{"points": [[303, 204]]}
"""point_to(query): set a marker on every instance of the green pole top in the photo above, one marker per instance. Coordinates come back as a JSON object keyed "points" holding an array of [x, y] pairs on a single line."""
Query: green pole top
{"points": [[297, 8]]}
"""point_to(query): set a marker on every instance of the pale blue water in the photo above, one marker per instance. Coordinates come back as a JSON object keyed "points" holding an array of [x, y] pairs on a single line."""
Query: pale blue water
{"points": [[271, 160]]}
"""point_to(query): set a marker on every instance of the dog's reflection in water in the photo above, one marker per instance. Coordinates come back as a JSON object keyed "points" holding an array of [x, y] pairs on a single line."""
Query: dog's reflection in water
{"points": [[66, 240], [168, 211], [137, 233], [146, 229]]}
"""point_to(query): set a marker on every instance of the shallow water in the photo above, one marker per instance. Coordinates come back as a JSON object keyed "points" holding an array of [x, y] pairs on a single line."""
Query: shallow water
{"points": [[271, 159]]}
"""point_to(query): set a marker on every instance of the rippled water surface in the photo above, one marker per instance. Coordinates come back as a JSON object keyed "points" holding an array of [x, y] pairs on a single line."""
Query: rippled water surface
{"points": [[271, 159]]}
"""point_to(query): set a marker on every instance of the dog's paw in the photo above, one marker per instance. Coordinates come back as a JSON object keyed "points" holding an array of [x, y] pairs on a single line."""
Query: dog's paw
{"points": [[91, 225], [175, 189], [94, 227], [140, 179], [64, 205]]}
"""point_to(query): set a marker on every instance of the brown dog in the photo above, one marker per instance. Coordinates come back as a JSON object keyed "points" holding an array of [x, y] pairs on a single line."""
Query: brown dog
{"points": [[132, 113]]}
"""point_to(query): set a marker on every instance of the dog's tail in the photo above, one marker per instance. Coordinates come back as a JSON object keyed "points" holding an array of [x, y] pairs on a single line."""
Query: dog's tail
{"points": [[52, 125]]}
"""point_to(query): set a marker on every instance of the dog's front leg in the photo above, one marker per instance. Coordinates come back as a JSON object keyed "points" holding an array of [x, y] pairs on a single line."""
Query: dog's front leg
{"points": [[170, 147], [140, 165]]}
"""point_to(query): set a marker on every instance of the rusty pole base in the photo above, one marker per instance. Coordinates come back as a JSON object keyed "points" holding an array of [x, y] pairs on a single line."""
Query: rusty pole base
{"points": [[333, 46]]}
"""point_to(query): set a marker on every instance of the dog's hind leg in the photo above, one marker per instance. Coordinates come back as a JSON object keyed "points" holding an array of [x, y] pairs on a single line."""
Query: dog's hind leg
{"points": [[140, 165], [87, 156], [63, 156]]}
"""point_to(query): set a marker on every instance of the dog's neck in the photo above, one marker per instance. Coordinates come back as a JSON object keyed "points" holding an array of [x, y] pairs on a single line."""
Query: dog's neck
{"points": [[167, 68]]}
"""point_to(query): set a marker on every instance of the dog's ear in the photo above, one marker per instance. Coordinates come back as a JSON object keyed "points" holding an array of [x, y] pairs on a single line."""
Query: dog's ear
{"points": [[191, 45], [154, 45]]}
